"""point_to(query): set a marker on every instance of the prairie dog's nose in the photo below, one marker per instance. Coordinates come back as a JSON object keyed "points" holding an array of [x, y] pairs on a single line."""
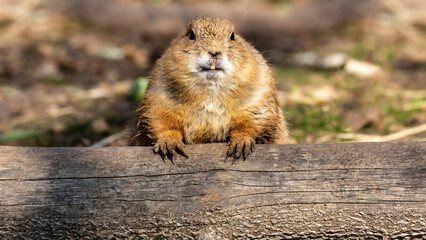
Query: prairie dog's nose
{"points": [[214, 53]]}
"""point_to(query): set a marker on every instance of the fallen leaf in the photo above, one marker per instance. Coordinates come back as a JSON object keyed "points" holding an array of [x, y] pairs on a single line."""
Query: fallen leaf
{"points": [[358, 119]]}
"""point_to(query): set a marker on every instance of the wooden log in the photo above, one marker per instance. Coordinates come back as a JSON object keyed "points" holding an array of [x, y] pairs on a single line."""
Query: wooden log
{"points": [[330, 191]]}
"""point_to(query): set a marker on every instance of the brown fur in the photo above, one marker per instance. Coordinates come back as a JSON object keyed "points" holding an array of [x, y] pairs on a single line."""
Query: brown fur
{"points": [[183, 106]]}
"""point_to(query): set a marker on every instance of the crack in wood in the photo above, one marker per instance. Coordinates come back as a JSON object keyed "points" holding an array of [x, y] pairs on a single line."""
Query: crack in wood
{"points": [[207, 171]]}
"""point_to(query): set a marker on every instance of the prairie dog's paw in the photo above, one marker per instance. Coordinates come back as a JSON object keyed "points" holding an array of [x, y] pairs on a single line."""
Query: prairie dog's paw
{"points": [[169, 147], [240, 146]]}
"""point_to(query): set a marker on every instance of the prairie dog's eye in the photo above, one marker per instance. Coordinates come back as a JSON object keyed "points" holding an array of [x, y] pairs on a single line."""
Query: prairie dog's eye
{"points": [[232, 36], [192, 35]]}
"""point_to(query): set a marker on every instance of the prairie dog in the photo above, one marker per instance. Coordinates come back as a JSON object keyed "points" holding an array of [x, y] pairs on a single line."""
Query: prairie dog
{"points": [[210, 85]]}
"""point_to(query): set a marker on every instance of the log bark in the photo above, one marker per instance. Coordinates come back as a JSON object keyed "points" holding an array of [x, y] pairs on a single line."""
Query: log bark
{"points": [[326, 191]]}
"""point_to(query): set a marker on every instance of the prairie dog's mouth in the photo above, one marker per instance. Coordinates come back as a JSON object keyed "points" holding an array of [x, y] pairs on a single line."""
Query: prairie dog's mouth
{"points": [[210, 69]]}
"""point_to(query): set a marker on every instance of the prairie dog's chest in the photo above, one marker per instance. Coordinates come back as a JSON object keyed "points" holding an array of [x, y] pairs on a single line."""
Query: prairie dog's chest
{"points": [[208, 121]]}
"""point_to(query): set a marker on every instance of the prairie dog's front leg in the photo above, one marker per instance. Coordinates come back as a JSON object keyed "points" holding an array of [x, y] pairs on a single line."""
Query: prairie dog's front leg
{"points": [[166, 129], [242, 134]]}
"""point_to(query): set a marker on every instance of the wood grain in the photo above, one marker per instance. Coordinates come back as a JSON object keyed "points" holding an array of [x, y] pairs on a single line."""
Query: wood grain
{"points": [[326, 191]]}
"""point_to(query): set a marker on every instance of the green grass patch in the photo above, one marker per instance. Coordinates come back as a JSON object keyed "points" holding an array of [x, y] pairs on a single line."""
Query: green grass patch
{"points": [[401, 116], [305, 120], [17, 135]]}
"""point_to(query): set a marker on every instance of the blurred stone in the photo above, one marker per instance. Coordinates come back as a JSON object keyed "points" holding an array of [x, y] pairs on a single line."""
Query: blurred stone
{"points": [[99, 125], [362, 69], [308, 59], [311, 59], [308, 95], [334, 60]]}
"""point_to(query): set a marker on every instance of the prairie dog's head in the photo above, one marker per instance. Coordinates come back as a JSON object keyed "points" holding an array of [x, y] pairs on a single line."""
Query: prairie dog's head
{"points": [[208, 46]]}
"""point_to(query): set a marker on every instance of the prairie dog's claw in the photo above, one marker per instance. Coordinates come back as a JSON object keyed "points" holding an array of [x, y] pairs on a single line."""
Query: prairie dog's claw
{"points": [[240, 147], [170, 148]]}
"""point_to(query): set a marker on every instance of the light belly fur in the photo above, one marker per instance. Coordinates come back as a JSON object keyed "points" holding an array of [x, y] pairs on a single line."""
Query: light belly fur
{"points": [[208, 123]]}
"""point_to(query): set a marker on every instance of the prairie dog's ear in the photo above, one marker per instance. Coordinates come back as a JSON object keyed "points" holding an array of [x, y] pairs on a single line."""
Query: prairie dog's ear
{"points": [[191, 35]]}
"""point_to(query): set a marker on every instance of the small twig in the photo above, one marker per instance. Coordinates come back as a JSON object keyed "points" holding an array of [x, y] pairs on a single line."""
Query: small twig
{"points": [[404, 93], [357, 137], [111, 139], [392, 137]]}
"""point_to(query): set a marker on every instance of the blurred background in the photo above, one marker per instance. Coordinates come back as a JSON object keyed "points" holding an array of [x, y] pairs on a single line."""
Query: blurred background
{"points": [[72, 71]]}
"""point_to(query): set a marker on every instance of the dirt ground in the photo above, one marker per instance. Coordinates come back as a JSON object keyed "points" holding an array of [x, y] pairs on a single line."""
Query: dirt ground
{"points": [[72, 72]]}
